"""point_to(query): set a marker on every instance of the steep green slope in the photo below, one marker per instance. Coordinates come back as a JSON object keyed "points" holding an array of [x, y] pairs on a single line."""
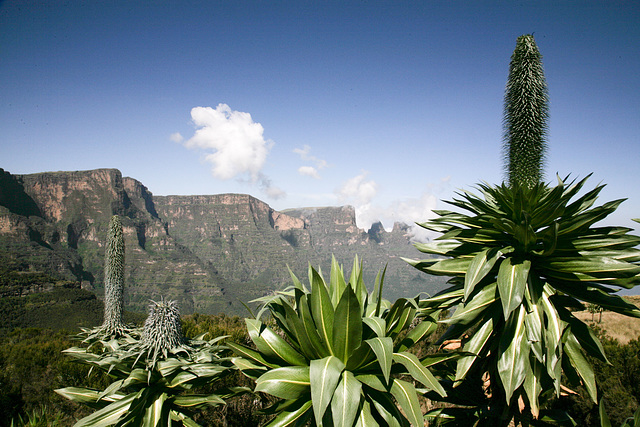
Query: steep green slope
{"points": [[210, 253]]}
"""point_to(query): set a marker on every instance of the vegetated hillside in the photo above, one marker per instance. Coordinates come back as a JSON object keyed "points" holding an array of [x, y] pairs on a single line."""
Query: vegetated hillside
{"points": [[207, 252], [251, 245], [64, 230], [31, 299], [617, 326]]}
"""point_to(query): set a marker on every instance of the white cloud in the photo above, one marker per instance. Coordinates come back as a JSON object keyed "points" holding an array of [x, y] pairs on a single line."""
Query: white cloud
{"points": [[176, 137], [312, 171], [358, 190], [303, 152], [233, 140], [413, 210], [309, 171], [233, 144]]}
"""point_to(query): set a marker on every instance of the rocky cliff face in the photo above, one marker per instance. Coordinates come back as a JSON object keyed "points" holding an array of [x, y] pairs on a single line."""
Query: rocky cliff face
{"points": [[67, 234], [208, 252]]}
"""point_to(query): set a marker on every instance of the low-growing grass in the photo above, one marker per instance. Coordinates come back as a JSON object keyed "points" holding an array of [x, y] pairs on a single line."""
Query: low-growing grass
{"points": [[617, 326]]}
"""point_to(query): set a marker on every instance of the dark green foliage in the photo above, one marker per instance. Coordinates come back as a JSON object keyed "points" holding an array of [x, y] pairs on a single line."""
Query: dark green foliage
{"points": [[31, 366], [522, 258], [215, 325], [37, 300], [618, 383], [39, 417], [339, 355], [15, 276], [526, 111]]}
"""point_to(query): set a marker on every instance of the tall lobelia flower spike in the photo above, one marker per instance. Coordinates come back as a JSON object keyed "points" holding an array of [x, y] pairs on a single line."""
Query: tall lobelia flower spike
{"points": [[162, 330], [114, 279], [526, 110]]}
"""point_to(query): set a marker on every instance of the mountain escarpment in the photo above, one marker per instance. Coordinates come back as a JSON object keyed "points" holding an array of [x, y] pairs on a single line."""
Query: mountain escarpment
{"points": [[209, 252]]}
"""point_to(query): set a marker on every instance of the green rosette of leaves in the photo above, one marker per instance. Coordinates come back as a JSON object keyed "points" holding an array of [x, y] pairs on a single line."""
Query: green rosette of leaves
{"points": [[339, 355], [521, 260], [155, 378]]}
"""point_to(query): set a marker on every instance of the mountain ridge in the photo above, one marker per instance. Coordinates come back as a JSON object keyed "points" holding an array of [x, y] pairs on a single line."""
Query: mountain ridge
{"points": [[209, 252]]}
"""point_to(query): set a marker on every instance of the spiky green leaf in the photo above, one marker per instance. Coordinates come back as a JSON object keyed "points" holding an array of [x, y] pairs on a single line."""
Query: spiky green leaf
{"points": [[288, 382], [513, 353], [478, 268], [419, 372], [383, 349], [324, 375], [268, 342], [406, 395], [512, 280], [347, 326], [346, 400]]}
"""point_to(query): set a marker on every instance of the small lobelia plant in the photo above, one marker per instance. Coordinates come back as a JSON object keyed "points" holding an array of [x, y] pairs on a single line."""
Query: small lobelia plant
{"points": [[162, 330], [155, 378], [338, 355]]}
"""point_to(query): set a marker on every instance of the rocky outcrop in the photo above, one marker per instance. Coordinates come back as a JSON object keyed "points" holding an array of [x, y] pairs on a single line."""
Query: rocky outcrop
{"points": [[68, 238], [208, 252], [253, 246]]}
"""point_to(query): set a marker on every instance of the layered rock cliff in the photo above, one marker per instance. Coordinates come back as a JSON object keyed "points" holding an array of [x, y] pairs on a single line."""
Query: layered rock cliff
{"points": [[208, 252]]}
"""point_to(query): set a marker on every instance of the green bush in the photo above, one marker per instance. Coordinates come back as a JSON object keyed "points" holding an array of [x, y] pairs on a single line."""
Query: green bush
{"points": [[31, 367], [618, 383]]}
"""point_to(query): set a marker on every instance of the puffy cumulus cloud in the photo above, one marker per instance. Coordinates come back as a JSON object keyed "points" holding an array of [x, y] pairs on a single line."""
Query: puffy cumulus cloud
{"points": [[234, 145], [358, 190], [309, 171], [312, 171]]}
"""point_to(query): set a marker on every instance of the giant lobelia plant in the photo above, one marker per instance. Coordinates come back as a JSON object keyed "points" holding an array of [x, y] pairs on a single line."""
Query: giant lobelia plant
{"points": [[154, 377], [114, 278], [526, 110], [522, 257], [343, 358], [113, 326], [521, 261]]}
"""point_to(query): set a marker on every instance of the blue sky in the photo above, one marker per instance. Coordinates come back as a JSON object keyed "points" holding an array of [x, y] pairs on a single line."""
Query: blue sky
{"points": [[388, 106]]}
